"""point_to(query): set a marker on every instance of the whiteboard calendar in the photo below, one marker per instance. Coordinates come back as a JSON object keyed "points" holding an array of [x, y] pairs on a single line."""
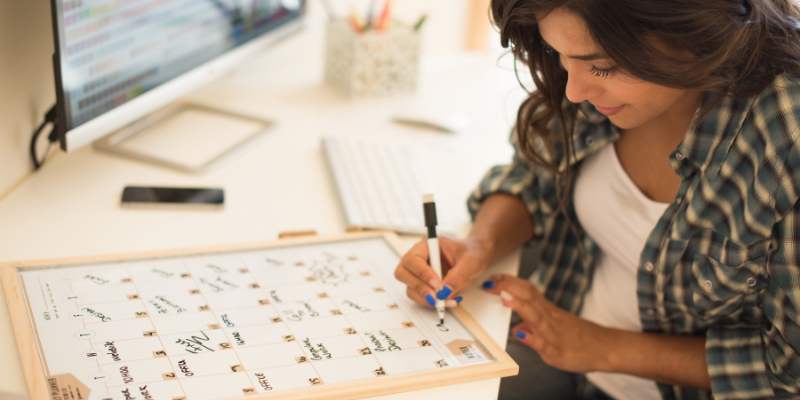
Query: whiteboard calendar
{"points": [[279, 320]]}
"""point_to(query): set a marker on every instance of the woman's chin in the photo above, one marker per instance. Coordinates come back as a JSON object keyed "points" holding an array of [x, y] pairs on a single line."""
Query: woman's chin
{"points": [[624, 120]]}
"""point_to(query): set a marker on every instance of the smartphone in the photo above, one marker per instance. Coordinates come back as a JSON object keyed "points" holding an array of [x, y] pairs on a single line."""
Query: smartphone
{"points": [[166, 197]]}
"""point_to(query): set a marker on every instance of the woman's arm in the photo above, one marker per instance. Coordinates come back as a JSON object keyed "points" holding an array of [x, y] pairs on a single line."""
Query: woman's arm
{"points": [[670, 359], [501, 225]]}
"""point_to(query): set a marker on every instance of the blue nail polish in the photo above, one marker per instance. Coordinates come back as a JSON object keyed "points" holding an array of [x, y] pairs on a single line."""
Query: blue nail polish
{"points": [[521, 334], [446, 291], [488, 284], [430, 300], [458, 299]]}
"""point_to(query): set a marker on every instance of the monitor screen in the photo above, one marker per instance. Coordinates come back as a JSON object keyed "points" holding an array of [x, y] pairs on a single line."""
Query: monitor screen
{"points": [[112, 51]]}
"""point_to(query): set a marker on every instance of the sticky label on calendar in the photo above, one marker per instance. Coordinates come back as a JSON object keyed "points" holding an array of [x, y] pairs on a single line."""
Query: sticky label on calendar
{"points": [[467, 351]]}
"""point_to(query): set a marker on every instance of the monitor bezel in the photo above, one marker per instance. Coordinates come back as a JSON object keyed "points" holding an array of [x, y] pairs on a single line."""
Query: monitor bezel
{"points": [[117, 118]]}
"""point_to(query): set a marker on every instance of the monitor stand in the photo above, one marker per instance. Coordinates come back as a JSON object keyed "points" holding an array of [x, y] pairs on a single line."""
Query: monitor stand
{"points": [[187, 137]]}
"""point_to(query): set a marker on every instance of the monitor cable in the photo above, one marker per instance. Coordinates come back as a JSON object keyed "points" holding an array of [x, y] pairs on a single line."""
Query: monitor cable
{"points": [[52, 137]]}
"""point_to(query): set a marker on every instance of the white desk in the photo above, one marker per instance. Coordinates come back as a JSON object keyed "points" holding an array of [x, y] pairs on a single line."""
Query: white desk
{"points": [[71, 207]]}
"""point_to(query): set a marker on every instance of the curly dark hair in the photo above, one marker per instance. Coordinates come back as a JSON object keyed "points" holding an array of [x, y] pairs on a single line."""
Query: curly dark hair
{"points": [[729, 47]]}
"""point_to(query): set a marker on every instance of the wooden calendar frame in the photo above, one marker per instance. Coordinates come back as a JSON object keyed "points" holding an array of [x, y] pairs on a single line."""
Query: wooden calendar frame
{"points": [[36, 382]]}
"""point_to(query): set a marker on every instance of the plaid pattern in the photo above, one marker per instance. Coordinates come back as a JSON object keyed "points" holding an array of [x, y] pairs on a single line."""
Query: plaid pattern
{"points": [[724, 259]]}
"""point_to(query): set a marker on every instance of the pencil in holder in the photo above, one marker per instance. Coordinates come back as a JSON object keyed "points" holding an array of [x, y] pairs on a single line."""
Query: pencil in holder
{"points": [[373, 63]]}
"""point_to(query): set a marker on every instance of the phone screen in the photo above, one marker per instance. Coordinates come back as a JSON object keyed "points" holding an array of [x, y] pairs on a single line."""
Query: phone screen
{"points": [[164, 195]]}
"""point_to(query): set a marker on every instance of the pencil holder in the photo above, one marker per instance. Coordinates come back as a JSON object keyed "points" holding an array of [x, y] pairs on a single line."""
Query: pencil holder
{"points": [[372, 64]]}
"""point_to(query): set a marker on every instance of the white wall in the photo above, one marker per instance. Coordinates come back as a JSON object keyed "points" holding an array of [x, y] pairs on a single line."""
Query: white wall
{"points": [[26, 76], [26, 82]]}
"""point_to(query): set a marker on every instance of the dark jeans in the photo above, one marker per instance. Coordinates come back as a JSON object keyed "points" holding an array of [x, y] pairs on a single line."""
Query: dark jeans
{"points": [[537, 380]]}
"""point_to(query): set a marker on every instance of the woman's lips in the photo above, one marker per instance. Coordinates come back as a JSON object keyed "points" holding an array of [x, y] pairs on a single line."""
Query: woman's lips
{"points": [[609, 111]]}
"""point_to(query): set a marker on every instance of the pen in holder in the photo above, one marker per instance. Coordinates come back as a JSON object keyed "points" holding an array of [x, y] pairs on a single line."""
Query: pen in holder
{"points": [[372, 63]]}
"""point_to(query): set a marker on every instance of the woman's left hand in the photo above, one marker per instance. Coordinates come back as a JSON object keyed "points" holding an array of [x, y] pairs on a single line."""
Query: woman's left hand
{"points": [[562, 339]]}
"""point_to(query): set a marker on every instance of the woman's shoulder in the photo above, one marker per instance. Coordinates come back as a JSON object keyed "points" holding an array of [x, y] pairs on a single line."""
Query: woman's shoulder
{"points": [[777, 106], [768, 122], [771, 133]]}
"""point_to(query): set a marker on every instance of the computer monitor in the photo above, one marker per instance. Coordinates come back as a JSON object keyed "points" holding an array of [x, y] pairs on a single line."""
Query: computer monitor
{"points": [[117, 61]]}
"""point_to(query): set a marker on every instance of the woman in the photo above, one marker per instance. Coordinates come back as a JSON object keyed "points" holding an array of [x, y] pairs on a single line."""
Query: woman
{"points": [[658, 165]]}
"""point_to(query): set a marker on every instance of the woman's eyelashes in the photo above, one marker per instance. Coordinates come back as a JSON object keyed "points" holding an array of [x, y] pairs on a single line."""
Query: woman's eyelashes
{"points": [[602, 72], [599, 72]]}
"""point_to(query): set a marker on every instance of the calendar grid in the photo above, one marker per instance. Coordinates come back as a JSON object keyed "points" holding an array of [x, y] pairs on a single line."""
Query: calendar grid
{"points": [[143, 314]]}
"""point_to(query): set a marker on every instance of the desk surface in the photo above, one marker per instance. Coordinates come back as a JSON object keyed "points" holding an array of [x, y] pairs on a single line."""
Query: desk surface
{"points": [[71, 207]]}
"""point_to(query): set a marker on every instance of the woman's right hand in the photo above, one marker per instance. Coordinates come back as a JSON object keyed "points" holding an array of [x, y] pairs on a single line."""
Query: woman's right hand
{"points": [[463, 261]]}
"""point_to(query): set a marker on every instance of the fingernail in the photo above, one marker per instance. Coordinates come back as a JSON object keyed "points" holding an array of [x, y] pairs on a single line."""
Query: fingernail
{"points": [[488, 284], [458, 299], [430, 300], [450, 303], [521, 334], [446, 291], [506, 296], [434, 283]]}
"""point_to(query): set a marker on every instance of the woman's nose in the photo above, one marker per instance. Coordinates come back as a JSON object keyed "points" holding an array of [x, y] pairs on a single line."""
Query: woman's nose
{"points": [[581, 85]]}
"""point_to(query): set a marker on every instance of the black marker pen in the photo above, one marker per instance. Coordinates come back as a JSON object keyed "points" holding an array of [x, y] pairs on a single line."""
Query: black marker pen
{"points": [[429, 208]]}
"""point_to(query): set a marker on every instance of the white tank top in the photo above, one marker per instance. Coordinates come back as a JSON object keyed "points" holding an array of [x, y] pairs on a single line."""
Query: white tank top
{"points": [[618, 217]]}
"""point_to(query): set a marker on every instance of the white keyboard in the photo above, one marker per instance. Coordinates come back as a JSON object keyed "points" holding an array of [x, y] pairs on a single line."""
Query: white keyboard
{"points": [[381, 185]]}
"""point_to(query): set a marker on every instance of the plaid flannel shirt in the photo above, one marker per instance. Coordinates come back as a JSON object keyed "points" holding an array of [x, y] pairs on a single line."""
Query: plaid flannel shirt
{"points": [[724, 259]]}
